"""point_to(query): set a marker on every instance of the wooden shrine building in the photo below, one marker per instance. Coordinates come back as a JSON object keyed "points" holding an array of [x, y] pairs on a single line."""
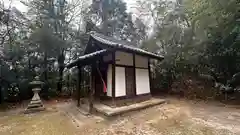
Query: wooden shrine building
{"points": [[119, 71]]}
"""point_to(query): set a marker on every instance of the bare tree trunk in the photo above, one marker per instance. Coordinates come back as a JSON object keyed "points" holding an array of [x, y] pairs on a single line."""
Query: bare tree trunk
{"points": [[46, 85], [60, 81], [61, 59], [45, 67], [0, 91]]}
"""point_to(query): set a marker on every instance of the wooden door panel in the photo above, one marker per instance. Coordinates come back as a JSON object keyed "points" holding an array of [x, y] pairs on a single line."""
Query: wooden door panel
{"points": [[129, 74]]}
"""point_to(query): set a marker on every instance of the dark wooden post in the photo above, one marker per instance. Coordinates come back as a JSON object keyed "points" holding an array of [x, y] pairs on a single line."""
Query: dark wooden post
{"points": [[134, 73], [113, 76], [0, 91], [79, 85], [92, 87], [150, 75]]}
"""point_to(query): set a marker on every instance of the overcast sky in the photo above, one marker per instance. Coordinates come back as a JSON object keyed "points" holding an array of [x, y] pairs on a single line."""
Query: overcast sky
{"points": [[15, 3], [130, 4], [21, 7]]}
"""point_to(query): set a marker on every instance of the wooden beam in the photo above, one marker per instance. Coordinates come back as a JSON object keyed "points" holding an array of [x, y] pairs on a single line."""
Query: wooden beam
{"points": [[126, 66], [79, 85]]}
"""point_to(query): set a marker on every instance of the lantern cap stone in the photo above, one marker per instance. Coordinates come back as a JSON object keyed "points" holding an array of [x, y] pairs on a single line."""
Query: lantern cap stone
{"points": [[36, 81]]}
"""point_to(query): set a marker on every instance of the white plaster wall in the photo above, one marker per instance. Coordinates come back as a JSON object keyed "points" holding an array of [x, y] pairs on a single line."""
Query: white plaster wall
{"points": [[109, 81], [120, 83], [123, 58], [142, 81], [141, 61]]}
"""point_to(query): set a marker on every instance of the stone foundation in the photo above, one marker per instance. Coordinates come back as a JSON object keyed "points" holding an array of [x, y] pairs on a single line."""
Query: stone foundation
{"points": [[36, 104]]}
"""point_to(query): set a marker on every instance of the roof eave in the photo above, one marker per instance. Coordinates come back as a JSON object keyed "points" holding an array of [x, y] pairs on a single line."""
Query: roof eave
{"points": [[81, 61]]}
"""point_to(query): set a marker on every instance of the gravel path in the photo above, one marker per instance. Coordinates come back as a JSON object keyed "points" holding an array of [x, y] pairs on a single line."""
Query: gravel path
{"points": [[178, 117]]}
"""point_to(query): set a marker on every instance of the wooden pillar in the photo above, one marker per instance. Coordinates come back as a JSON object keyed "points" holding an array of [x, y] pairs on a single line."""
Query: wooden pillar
{"points": [[92, 87], [150, 75], [79, 85], [134, 74], [113, 76], [0, 83]]}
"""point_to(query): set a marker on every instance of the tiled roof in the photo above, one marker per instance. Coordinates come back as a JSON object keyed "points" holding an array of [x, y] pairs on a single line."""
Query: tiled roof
{"points": [[88, 56], [113, 45], [121, 44]]}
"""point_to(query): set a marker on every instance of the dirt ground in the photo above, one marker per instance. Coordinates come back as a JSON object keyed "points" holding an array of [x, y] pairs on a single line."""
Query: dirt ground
{"points": [[176, 117]]}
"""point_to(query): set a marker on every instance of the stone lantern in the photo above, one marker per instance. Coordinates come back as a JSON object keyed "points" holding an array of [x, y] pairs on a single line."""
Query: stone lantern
{"points": [[36, 103]]}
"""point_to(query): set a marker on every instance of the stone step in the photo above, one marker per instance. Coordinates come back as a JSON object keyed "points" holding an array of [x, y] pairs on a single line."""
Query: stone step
{"points": [[33, 110], [109, 111]]}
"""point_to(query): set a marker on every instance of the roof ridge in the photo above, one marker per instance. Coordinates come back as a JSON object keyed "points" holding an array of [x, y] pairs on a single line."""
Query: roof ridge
{"points": [[109, 41]]}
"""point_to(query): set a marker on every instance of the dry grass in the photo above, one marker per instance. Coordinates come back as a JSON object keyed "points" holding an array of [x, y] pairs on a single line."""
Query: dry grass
{"points": [[53, 123]]}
